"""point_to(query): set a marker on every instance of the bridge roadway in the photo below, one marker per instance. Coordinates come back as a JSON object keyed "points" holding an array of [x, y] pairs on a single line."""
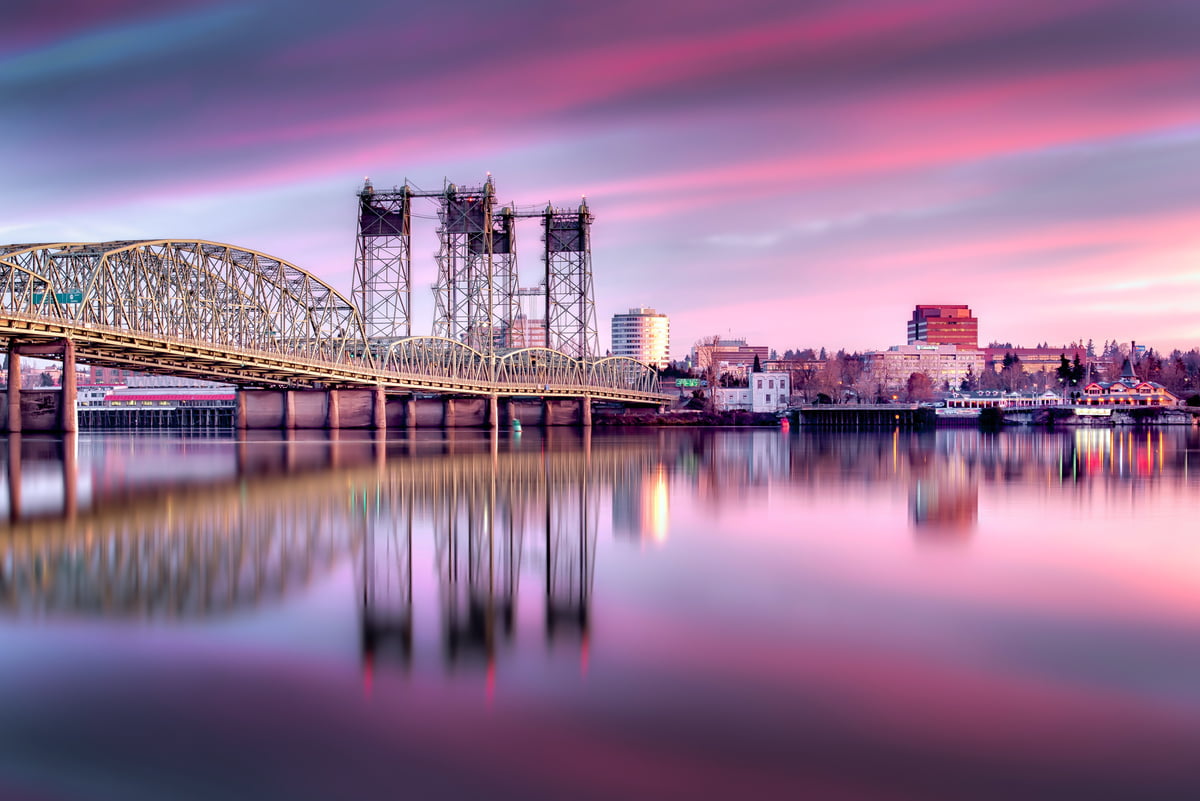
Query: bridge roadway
{"points": [[213, 311]]}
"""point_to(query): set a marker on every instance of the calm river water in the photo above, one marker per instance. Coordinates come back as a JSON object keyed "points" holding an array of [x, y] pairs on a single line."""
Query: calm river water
{"points": [[637, 614]]}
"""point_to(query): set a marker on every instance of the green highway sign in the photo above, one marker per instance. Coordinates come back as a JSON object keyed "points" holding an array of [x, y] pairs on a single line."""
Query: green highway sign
{"points": [[70, 296], [687, 382]]}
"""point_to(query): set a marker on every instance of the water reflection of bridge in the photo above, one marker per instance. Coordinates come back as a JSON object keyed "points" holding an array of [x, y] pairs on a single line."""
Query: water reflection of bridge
{"points": [[281, 514], [253, 521]]}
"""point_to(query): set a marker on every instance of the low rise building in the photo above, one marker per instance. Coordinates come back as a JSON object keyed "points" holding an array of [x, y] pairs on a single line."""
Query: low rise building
{"points": [[728, 356], [944, 364], [1128, 390], [766, 393], [997, 399], [1033, 359]]}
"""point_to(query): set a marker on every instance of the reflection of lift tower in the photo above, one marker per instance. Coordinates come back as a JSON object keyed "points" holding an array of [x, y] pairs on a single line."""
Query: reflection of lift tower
{"points": [[479, 587], [385, 600]]}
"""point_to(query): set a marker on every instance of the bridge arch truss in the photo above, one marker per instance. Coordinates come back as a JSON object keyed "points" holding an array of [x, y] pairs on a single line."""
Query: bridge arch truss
{"points": [[212, 310]]}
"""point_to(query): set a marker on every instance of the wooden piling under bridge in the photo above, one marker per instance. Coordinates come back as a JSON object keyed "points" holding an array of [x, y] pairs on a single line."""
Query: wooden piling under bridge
{"points": [[863, 415]]}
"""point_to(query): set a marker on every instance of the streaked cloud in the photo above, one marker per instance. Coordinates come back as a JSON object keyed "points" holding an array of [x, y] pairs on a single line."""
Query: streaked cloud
{"points": [[819, 155]]}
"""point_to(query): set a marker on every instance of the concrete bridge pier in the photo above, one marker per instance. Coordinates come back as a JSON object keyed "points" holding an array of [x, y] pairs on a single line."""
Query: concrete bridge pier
{"points": [[585, 412], [493, 412], [243, 418], [14, 391], [333, 416], [292, 409], [410, 412], [379, 409], [42, 409], [289, 410]]}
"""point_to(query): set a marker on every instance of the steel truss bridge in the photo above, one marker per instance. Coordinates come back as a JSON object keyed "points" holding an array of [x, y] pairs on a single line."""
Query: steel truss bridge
{"points": [[214, 311]]}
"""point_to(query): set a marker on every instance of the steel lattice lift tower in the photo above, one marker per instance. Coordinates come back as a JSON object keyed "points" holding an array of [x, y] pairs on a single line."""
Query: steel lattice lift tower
{"points": [[477, 294], [382, 262], [570, 305]]}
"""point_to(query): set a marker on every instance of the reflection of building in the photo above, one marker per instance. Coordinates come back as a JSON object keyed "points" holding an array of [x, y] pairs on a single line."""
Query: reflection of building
{"points": [[641, 503], [944, 364], [642, 334], [944, 325], [1128, 390], [945, 506]]}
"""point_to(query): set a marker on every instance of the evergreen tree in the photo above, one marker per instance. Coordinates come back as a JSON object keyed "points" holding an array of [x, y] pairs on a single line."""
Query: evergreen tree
{"points": [[1064, 372]]}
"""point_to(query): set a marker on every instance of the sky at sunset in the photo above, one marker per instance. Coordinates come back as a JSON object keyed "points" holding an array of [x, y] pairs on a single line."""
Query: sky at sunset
{"points": [[797, 173]]}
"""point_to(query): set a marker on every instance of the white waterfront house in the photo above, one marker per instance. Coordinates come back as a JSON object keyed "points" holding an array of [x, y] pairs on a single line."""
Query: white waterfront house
{"points": [[767, 392]]}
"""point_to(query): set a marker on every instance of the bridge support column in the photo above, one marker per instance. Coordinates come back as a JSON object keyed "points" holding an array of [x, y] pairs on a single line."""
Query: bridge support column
{"points": [[379, 410], [67, 415], [56, 410], [410, 411], [333, 412], [14, 390], [447, 412], [243, 421], [493, 412], [289, 410], [585, 412]]}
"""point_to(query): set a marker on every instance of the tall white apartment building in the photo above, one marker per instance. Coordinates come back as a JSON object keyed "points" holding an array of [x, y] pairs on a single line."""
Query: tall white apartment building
{"points": [[642, 334]]}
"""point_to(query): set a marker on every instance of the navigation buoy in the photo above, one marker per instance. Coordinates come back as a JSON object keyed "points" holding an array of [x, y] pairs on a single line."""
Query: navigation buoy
{"points": [[516, 426]]}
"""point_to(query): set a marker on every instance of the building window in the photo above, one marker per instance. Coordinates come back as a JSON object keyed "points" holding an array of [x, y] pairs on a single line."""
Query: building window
{"points": [[760, 383], [768, 397]]}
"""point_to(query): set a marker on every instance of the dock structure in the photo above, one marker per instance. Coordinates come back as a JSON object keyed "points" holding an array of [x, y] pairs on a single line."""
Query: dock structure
{"points": [[862, 415]]}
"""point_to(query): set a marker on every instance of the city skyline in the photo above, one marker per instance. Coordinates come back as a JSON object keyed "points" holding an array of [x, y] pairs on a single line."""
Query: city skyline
{"points": [[798, 175]]}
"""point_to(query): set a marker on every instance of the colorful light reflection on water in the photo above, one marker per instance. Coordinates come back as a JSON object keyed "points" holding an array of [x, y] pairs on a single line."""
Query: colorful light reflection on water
{"points": [[699, 614]]}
